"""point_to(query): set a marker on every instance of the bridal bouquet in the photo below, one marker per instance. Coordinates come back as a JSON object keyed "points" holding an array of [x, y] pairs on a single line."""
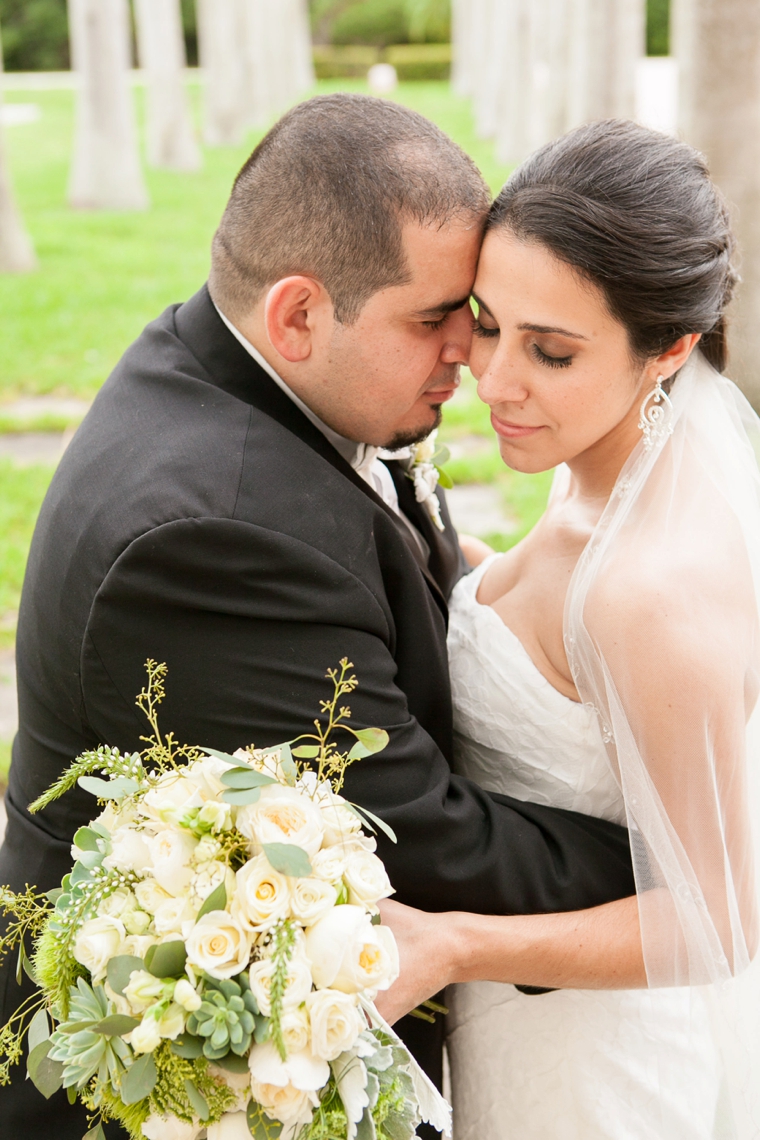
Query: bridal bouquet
{"points": [[208, 968]]}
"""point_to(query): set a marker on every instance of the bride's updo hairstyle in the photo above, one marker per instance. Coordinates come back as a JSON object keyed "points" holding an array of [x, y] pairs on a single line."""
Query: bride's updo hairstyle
{"points": [[635, 213]]}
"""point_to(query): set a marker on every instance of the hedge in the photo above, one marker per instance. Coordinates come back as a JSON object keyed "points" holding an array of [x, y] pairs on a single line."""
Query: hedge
{"points": [[412, 61]]}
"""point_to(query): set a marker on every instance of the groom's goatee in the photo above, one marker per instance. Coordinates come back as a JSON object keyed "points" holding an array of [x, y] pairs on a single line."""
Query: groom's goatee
{"points": [[407, 438]]}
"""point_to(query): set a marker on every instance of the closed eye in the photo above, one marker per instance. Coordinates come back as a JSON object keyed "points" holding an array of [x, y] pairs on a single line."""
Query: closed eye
{"points": [[436, 324], [481, 330], [550, 361]]}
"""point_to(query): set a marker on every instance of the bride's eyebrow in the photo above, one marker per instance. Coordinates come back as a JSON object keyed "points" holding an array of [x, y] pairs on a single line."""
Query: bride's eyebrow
{"points": [[527, 327]]}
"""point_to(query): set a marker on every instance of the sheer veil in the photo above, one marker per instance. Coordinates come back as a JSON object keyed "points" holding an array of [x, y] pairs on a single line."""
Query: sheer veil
{"points": [[662, 631]]}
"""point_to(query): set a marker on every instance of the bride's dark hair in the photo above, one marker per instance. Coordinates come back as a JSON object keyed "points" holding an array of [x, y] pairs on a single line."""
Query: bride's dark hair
{"points": [[635, 213]]}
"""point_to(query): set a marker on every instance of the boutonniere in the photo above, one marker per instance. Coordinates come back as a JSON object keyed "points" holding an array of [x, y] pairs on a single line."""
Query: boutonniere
{"points": [[426, 471]]}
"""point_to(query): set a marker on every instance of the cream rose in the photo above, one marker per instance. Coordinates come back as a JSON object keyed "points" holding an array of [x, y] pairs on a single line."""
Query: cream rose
{"points": [[340, 822], [297, 985], [294, 1024], [311, 899], [366, 878], [170, 798], [170, 1128], [329, 864], [129, 851], [262, 895], [150, 895], [172, 914], [232, 1126], [336, 1022], [170, 855], [348, 953], [206, 774], [138, 944], [97, 941], [117, 902], [282, 815], [287, 1090], [219, 945]]}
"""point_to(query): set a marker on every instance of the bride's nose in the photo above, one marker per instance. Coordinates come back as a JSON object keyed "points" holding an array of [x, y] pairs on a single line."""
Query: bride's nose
{"points": [[501, 383]]}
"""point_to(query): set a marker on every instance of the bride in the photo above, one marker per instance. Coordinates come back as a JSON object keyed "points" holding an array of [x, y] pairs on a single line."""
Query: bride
{"points": [[609, 663]]}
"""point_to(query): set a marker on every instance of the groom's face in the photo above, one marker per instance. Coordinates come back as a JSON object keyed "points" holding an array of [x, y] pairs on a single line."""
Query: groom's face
{"points": [[385, 378]]}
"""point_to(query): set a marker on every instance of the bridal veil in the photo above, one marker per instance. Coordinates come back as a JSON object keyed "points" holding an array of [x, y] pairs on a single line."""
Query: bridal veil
{"points": [[662, 631]]}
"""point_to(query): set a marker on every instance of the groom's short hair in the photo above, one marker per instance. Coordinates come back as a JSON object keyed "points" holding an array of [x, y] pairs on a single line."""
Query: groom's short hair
{"points": [[325, 194]]}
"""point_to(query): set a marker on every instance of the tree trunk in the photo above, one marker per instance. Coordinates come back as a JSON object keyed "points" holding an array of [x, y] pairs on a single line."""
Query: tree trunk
{"points": [[462, 63], [278, 56], [221, 46], [607, 38], [717, 43], [161, 46], [16, 253], [106, 172]]}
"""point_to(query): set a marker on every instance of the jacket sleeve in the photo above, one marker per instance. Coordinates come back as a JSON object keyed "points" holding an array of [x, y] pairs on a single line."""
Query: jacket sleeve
{"points": [[248, 620]]}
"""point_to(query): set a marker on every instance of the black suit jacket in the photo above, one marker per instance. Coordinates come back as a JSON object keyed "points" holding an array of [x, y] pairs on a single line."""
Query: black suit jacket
{"points": [[199, 518]]}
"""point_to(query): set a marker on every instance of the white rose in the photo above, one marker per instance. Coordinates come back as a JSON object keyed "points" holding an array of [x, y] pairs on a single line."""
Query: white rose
{"points": [[170, 1128], [187, 996], [311, 899], [206, 774], [282, 815], [348, 953], [287, 1090], [340, 823], [232, 1126], [135, 921], [294, 1024], [145, 1038], [97, 941], [219, 945], [170, 798], [117, 902], [297, 985], [171, 914], [150, 895], [142, 990], [170, 855], [262, 895], [366, 878], [129, 851], [138, 944], [336, 1022], [329, 864], [110, 817]]}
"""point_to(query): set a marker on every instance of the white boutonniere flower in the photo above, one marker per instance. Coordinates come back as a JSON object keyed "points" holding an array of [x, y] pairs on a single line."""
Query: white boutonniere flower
{"points": [[426, 471]]}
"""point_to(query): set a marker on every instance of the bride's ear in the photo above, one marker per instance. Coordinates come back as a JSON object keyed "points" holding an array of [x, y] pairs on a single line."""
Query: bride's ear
{"points": [[668, 363], [294, 308]]}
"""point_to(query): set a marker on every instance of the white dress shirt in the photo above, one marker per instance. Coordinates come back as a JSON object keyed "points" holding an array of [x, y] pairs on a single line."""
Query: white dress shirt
{"points": [[363, 457]]}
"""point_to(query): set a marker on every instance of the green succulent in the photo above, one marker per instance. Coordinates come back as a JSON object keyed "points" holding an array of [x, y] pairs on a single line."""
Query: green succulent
{"points": [[226, 1018], [89, 1042]]}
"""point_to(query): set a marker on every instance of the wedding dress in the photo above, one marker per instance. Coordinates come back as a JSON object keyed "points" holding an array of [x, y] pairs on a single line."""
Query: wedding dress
{"points": [[680, 1060]]}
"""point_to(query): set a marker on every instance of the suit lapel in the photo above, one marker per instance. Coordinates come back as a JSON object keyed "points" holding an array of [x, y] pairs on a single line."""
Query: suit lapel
{"points": [[232, 369]]}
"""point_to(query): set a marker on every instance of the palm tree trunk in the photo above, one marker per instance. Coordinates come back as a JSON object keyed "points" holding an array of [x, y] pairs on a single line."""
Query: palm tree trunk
{"points": [[16, 252], [221, 46], [717, 43], [161, 47], [106, 172]]}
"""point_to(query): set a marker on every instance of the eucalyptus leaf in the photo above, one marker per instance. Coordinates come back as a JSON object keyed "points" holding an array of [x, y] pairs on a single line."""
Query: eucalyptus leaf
{"points": [[197, 1100], [384, 827], [116, 1025], [139, 1079], [306, 751], [86, 839], [442, 455], [45, 1075], [232, 1063], [167, 960], [217, 900], [242, 797], [372, 739], [445, 479], [39, 1030], [288, 859], [120, 969], [91, 859], [246, 778], [187, 1046], [108, 789], [225, 756], [259, 1125], [54, 895], [80, 874]]}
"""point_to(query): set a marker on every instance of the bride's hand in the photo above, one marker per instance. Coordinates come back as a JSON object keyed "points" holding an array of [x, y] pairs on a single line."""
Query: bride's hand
{"points": [[426, 946]]}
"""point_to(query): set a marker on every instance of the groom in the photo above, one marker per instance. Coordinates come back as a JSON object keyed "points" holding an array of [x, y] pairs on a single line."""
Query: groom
{"points": [[223, 509]]}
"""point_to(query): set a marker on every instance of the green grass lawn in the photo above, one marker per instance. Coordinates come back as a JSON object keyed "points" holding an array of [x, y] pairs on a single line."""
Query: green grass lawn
{"points": [[103, 276]]}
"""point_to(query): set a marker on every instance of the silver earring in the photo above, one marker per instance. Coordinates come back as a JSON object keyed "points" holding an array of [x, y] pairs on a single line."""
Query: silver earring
{"points": [[656, 420]]}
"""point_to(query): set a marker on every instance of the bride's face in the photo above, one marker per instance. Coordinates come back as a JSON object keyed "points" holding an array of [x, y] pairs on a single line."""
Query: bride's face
{"points": [[551, 362]]}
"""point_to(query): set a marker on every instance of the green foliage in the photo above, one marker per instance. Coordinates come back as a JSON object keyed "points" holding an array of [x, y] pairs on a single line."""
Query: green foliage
{"points": [[130, 1116], [100, 759], [381, 22], [56, 969], [170, 1095], [420, 61], [658, 27], [344, 62], [283, 942], [83, 1044], [21, 495], [226, 1019], [35, 35]]}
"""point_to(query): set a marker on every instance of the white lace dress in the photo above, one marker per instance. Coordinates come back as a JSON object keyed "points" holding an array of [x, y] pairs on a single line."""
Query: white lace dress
{"points": [[572, 1064]]}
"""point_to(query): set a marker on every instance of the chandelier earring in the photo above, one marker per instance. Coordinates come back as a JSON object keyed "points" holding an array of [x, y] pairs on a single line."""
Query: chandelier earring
{"points": [[656, 416]]}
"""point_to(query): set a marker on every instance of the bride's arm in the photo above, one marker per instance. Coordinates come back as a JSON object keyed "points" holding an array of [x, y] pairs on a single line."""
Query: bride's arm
{"points": [[588, 949]]}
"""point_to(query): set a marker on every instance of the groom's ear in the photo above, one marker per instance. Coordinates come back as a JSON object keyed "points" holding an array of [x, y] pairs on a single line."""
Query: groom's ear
{"points": [[295, 313]]}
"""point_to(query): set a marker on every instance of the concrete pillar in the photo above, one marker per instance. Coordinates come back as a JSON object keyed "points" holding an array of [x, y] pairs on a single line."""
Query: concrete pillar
{"points": [[106, 172], [222, 51], [161, 49]]}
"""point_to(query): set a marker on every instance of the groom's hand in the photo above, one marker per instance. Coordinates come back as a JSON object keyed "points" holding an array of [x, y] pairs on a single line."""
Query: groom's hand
{"points": [[427, 947]]}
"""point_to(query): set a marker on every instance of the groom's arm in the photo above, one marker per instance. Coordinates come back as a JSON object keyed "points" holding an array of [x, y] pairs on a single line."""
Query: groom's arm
{"points": [[248, 621]]}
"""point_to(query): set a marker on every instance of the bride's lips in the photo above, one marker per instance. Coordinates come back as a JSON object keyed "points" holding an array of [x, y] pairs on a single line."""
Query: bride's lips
{"points": [[512, 431]]}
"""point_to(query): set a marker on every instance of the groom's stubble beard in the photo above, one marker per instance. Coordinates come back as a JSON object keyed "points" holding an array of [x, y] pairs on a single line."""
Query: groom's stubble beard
{"points": [[407, 438]]}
